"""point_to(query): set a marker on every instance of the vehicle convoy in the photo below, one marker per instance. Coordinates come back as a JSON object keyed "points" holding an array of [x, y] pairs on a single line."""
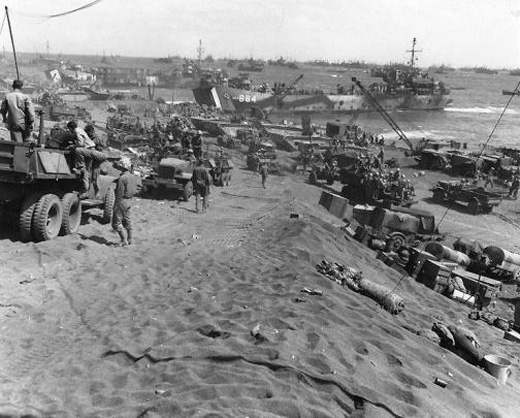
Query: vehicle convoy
{"points": [[477, 199], [40, 190], [175, 173], [389, 230]]}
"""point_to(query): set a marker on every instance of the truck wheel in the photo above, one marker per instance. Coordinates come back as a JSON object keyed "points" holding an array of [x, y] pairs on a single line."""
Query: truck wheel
{"points": [[228, 179], [474, 207], [187, 191], [48, 214], [395, 241], [218, 180], [108, 206], [71, 214], [438, 196], [26, 216]]}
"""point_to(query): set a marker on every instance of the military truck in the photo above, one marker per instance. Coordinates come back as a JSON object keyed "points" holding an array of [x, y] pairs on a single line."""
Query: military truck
{"points": [[476, 199], [61, 113], [171, 173], [39, 189], [389, 230], [220, 168], [262, 152]]}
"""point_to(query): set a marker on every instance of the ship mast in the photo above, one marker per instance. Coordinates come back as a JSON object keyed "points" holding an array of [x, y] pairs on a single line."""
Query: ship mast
{"points": [[200, 51], [413, 51]]}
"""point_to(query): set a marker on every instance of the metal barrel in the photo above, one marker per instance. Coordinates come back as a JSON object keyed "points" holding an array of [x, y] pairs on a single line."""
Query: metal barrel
{"points": [[442, 252], [503, 258]]}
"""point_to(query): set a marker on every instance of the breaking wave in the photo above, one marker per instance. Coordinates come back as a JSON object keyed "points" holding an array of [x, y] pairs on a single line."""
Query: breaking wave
{"points": [[417, 135], [485, 110]]}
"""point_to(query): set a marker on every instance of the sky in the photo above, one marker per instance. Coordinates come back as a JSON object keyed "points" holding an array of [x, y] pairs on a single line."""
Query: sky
{"points": [[452, 32]]}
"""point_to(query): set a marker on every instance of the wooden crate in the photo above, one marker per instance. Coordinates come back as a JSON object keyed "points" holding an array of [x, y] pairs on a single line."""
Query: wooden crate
{"points": [[335, 204], [417, 260], [434, 275]]}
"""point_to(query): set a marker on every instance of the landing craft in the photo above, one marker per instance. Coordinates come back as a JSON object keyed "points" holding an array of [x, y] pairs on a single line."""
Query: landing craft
{"points": [[404, 87]]}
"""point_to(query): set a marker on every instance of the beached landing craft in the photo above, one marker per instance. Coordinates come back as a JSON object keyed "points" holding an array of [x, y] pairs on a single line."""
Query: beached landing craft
{"points": [[404, 87]]}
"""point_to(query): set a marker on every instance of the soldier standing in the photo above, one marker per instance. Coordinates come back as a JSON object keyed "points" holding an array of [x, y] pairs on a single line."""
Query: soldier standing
{"points": [[264, 171], [201, 185], [513, 190], [489, 178], [18, 113], [196, 144], [127, 186]]}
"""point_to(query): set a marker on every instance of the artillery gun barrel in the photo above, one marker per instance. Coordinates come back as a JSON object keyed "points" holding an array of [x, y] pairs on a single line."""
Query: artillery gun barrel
{"points": [[503, 258], [442, 252]]}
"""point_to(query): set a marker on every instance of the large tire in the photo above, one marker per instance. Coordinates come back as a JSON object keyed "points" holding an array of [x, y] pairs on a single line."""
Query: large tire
{"points": [[438, 196], [71, 219], [108, 206], [26, 216], [187, 191], [395, 241], [47, 218], [474, 207], [218, 179], [228, 178], [313, 178]]}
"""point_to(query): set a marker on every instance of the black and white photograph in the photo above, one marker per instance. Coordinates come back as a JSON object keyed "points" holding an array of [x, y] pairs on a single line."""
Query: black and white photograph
{"points": [[260, 209]]}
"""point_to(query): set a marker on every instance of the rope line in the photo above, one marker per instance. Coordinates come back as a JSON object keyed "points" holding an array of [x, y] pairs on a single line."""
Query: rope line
{"points": [[3, 22], [68, 12], [499, 119]]}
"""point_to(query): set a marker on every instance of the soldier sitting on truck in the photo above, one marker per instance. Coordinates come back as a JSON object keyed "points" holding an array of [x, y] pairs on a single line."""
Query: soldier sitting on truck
{"points": [[85, 154], [18, 113], [101, 143]]}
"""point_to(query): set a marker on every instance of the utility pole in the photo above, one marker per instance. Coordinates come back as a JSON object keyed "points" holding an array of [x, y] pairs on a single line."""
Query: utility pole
{"points": [[413, 52], [47, 48], [12, 42]]}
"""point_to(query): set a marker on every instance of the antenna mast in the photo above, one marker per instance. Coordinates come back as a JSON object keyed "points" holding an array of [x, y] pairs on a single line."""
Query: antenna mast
{"points": [[12, 42], [413, 51]]}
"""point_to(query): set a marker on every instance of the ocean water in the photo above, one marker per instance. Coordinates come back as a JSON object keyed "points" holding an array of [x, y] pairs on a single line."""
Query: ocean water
{"points": [[477, 105]]}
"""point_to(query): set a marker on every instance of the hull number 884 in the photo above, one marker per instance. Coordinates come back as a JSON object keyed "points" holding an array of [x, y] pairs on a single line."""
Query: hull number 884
{"points": [[247, 98]]}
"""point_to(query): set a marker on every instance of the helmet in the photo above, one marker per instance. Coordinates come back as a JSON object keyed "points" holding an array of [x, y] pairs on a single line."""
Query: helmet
{"points": [[199, 132], [190, 151], [124, 163]]}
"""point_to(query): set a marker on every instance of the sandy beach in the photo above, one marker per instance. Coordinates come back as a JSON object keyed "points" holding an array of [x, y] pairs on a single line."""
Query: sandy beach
{"points": [[204, 316]]}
